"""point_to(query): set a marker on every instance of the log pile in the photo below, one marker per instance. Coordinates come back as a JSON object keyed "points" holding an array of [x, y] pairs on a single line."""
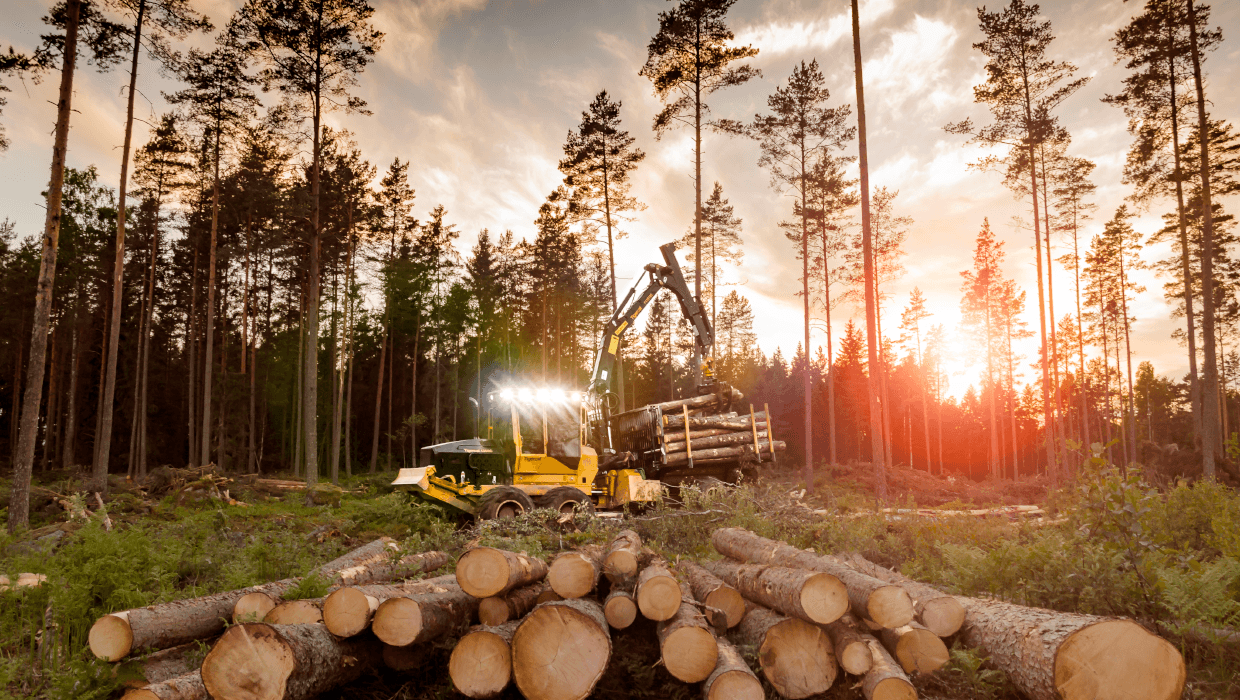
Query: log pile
{"points": [[726, 438], [767, 614]]}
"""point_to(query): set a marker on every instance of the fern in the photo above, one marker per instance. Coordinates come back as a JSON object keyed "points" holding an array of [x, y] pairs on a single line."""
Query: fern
{"points": [[1202, 593]]}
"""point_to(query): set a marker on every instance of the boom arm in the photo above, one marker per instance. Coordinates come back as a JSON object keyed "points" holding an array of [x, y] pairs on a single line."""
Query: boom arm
{"points": [[666, 276]]}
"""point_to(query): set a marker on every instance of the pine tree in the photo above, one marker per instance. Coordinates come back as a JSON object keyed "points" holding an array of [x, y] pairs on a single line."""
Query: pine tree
{"points": [[1072, 210], [722, 231], [982, 290], [910, 321]]}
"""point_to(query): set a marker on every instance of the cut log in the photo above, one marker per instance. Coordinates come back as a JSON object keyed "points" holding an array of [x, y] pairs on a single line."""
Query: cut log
{"points": [[886, 604], [620, 609], [165, 664], [348, 611], [851, 651], [732, 678], [916, 648], [686, 642], [700, 401], [678, 421], [283, 662], [406, 658], [560, 650], [720, 452], [420, 617], [703, 443], [812, 596], [575, 574], [116, 635], [1051, 655], [941, 613], [26, 580], [187, 686], [485, 571], [481, 663], [296, 612], [624, 557], [547, 596], [885, 680], [351, 569], [712, 592], [497, 610], [386, 570], [795, 656], [658, 592]]}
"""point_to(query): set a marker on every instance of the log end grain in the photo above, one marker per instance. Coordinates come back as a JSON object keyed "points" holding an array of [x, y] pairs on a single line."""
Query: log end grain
{"points": [[690, 654], [620, 609], [824, 598], [797, 659], [1116, 659], [481, 664], [295, 612], [249, 661], [572, 575], [397, 621], [561, 650], [918, 650], [547, 596], [731, 602], [893, 689], [253, 607], [482, 572], [620, 564], [111, 638], [732, 678], [885, 680], [890, 607], [942, 616], [493, 611], [347, 612], [658, 597]]}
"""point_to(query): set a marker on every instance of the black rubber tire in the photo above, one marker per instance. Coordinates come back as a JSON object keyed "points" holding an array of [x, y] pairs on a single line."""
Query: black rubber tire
{"points": [[566, 500], [504, 502]]}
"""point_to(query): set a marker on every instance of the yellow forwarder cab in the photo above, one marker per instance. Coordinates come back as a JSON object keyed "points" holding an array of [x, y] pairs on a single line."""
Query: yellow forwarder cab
{"points": [[546, 463]]}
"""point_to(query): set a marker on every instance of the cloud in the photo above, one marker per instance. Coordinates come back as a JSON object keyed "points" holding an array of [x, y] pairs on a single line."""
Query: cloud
{"points": [[412, 29], [780, 37]]}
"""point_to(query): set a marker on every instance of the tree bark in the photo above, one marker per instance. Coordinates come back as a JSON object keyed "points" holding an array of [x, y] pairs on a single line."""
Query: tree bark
{"points": [[711, 591], [885, 680], [484, 571], [687, 643], [498, 610], [185, 687], [732, 678], [296, 612], [795, 656], [815, 597], [481, 662], [916, 648], [1051, 655], [764, 447], [348, 610], [872, 599], [420, 617], [166, 664], [940, 613], [288, 662], [560, 650], [23, 461], [851, 650]]}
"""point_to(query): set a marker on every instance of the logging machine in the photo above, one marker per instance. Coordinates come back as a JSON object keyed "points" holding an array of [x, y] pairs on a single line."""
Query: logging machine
{"points": [[570, 449]]}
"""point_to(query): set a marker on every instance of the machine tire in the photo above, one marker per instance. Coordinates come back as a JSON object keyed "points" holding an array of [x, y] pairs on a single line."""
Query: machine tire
{"points": [[566, 499], [504, 502]]}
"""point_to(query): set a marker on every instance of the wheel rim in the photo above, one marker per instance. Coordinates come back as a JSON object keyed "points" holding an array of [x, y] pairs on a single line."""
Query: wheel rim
{"points": [[567, 507], [508, 509]]}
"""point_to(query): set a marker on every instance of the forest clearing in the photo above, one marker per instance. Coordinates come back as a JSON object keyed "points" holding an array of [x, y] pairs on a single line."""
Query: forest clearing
{"points": [[335, 386]]}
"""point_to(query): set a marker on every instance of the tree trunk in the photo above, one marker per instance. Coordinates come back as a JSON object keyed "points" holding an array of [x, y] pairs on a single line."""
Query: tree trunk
{"points": [[885, 604], [687, 643], [658, 592], [764, 447], [1051, 655], [185, 687], [877, 448], [624, 558], [481, 662], [498, 610], [940, 613], [69, 448], [348, 610], [420, 617], [484, 571], [885, 680], [620, 608], [716, 441], [711, 591], [23, 461], [191, 335], [296, 612], [209, 324], [575, 574], [732, 678], [374, 443], [310, 386], [811, 596], [286, 662], [560, 650], [795, 656]]}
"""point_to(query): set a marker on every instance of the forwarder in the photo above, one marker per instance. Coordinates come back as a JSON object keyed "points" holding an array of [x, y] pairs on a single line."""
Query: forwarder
{"points": [[567, 449]]}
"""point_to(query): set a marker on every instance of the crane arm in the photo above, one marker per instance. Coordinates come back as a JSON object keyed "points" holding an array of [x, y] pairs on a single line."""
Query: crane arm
{"points": [[654, 278]]}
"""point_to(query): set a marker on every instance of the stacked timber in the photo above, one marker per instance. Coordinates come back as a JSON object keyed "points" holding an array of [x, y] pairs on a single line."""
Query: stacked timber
{"points": [[714, 440]]}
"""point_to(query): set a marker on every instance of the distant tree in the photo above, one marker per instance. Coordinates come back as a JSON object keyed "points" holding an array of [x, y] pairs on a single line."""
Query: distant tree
{"points": [[1072, 210], [395, 199], [1022, 88], [723, 233], [910, 322], [688, 60], [1126, 244], [100, 36], [438, 257], [1010, 319], [313, 51], [982, 291], [799, 130], [11, 63], [734, 335]]}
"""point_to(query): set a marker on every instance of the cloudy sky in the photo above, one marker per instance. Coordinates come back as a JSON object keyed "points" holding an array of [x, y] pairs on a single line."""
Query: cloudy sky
{"points": [[479, 96]]}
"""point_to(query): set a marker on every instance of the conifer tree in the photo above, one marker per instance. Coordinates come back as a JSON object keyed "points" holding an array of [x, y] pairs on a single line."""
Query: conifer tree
{"points": [[722, 231], [910, 321], [982, 291], [1072, 210]]}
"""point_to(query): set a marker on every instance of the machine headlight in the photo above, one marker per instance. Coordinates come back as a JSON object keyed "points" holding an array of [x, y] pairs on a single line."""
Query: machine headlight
{"points": [[506, 394]]}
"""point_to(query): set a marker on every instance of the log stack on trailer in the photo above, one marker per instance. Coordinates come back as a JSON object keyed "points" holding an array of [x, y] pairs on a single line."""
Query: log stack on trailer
{"points": [[768, 615]]}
